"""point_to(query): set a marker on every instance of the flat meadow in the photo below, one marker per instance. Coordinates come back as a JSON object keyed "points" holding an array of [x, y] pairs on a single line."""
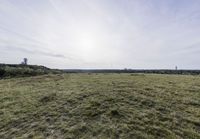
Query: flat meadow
{"points": [[100, 106]]}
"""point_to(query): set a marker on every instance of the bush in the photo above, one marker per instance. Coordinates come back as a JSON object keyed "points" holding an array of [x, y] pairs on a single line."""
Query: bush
{"points": [[24, 70], [2, 72]]}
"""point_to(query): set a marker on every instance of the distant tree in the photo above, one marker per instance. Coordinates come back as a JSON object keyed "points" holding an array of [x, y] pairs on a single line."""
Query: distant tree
{"points": [[25, 61]]}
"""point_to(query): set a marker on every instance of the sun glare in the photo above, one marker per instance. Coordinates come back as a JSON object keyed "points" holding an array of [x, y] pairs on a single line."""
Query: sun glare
{"points": [[87, 45]]}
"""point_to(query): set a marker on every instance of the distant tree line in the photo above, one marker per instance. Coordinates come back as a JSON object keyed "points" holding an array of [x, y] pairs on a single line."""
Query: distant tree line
{"points": [[156, 71]]}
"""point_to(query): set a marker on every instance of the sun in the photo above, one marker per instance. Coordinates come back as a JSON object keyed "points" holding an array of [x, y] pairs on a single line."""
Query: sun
{"points": [[87, 45]]}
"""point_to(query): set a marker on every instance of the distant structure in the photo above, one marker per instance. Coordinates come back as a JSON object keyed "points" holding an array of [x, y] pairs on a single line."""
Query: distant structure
{"points": [[176, 68], [25, 61]]}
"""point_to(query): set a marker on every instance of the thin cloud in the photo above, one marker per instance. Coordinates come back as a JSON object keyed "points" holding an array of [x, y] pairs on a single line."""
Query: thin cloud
{"points": [[14, 48]]}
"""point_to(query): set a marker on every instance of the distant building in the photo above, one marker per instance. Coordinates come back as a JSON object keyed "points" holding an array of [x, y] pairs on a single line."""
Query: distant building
{"points": [[176, 68]]}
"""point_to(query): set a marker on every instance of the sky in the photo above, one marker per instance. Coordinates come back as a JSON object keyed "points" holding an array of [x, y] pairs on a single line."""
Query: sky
{"points": [[101, 34]]}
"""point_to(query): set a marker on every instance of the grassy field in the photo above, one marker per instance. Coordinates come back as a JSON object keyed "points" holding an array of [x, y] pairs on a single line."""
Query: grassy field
{"points": [[100, 106]]}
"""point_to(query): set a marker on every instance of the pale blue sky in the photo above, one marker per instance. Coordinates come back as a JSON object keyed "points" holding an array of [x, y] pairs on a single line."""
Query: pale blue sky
{"points": [[101, 33]]}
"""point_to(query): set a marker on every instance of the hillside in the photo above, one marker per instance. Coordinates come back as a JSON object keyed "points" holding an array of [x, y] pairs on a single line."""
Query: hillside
{"points": [[19, 70], [100, 106]]}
